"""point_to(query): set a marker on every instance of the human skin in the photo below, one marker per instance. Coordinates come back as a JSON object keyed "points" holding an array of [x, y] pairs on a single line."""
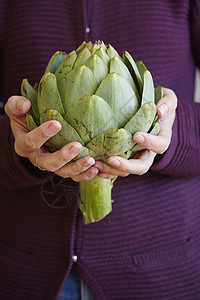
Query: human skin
{"points": [[29, 144]]}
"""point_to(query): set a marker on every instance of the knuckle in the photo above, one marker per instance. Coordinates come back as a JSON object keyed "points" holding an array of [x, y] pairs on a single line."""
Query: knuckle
{"points": [[164, 147], [125, 174], [90, 173], [44, 133], [50, 169], [162, 151], [76, 168], [8, 105], [29, 144], [17, 149], [144, 169], [87, 177], [61, 173], [68, 170], [78, 178], [148, 143], [74, 178]]}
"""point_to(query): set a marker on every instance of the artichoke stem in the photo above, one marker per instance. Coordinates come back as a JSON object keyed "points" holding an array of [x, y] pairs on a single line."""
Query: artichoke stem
{"points": [[95, 199]]}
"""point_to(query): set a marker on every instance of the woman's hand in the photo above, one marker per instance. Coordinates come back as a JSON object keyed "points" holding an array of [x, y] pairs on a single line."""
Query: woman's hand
{"points": [[30, 144], [142, 161]]}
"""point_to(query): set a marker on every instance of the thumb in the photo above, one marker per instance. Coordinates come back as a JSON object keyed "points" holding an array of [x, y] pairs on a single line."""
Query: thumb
{"points": [[17, 106], [167, 104]]}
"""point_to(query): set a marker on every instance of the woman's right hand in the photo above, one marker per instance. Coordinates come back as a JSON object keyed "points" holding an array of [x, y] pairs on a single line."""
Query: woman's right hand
{"points": [[29, 144]]}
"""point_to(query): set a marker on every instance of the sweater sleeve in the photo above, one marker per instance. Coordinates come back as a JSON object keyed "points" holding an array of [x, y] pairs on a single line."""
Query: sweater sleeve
{"points": [[15, 172], [182, 159]]}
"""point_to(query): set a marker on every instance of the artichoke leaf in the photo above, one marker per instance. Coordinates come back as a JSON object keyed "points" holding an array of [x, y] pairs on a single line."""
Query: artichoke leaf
{"points": [[103, 55], [36, 87], [113, 142], [96, 145], [143, 119], [117, 66], [102, 45], [112, 52], [89, 45], [48, 95], [137, 148], [82, 116], [82, 57], [55, 61], [141, 68], [98, 68], [66, 135], [131, 65], [119, 95], [78, 82], [155, 128], [66, 66], [30, 122], [30, 93], [85, 152], [81, 47], [94, 48], [159, 93], [126, 155], [117, 141], [148, 88]]}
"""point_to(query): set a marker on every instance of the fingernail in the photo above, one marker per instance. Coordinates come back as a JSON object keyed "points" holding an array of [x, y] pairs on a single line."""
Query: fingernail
{"points": [[88, 162], [139, 138], [21, 105], [75, 149], [54, 128], [114, 162], [163, 108]]}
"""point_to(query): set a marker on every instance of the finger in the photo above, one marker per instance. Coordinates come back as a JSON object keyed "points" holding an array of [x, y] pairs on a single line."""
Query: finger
{"points": [[158, 144], [137, 166], [26, 143], [167, 104], [87, 175], [108, 176], [17, 106], [57, 160], [108, 171], [75, 168]]}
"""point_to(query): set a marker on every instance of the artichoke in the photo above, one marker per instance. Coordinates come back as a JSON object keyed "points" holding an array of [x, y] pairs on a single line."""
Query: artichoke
{"points": [[101, 100]]}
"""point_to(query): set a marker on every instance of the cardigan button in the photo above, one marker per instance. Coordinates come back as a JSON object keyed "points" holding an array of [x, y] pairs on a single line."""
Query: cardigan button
{"points": [[87, 29], [74, 257]]}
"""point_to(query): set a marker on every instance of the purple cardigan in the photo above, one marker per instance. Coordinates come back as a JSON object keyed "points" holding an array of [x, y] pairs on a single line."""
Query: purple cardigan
{"points": [[149, 246]]}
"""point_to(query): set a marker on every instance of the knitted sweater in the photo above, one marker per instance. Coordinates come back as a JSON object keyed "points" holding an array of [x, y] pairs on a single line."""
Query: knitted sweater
{"points": [[149, 246]]}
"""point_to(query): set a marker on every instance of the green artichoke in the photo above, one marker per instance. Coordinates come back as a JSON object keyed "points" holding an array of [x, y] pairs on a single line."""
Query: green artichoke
{"points": [[101, 100]]}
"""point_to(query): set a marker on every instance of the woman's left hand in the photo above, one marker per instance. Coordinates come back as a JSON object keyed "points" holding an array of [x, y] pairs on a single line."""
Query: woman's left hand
{"points": [[143, 160]]}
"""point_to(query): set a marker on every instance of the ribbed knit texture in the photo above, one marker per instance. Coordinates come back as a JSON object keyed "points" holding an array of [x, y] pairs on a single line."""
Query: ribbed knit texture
{"points": [[148, 247]]}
